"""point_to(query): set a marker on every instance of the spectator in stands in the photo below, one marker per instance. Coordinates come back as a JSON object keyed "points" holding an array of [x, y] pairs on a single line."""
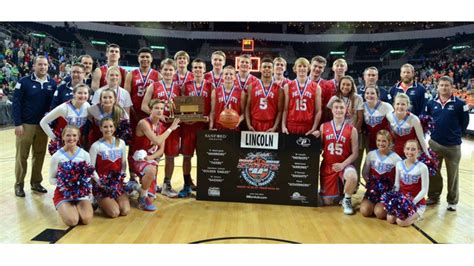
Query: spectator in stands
{"points": [[31, 100]]}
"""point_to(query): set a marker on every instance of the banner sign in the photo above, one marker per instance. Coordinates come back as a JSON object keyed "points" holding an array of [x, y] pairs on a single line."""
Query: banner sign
{"points": [[258, 167]]}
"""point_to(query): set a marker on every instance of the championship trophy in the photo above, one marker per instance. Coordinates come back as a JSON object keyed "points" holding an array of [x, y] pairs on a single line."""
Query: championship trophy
{"points": [[187, 109]]}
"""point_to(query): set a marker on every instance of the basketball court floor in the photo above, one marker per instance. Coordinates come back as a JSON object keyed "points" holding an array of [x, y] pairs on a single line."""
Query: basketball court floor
{"points": [[192, 221]]}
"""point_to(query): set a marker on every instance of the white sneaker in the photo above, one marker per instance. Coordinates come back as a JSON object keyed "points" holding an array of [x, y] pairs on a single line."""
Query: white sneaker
{"points": [[451, 207], [168, 191], [347, 206]]}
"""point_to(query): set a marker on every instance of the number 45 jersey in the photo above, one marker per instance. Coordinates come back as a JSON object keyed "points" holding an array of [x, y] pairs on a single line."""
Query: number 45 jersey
{"points": [[336, 143]]}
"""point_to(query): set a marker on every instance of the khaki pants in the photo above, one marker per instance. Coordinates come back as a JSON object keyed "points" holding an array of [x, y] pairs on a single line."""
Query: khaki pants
{"points": [[452, 156], [33, 137]]}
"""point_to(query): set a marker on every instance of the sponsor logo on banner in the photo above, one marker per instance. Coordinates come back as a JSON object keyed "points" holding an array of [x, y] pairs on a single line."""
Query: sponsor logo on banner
{"points": [[303, 142], [214, 192], [258, 169], [297, 196], [259, 140], [215, 136]]}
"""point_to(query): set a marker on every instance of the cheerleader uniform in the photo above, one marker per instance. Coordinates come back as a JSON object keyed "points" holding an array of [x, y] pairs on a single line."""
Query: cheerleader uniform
{"points": [[380, 172], [66, 114], [413, 182], [59, 157], [402, 131], [376, 120], [108, 158], [97, 114]]}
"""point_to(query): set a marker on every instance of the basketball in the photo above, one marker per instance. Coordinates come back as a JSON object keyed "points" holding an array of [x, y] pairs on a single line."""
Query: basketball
{"points": [[229, 118]]}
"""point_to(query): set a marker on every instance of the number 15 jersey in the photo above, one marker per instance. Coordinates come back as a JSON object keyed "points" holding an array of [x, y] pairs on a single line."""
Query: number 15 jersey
{"points": [[302, 103]]}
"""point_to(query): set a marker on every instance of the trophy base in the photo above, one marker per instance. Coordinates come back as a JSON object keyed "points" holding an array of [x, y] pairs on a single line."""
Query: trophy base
{"points": [[188, 118]]}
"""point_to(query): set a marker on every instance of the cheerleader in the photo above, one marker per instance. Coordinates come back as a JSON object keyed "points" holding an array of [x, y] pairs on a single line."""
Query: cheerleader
{"points": [[148, 147], [405, 125], [72, 112], [375, 112], [72, 210], [379, 175], [107, 107], [108, 155], [411, 179]]}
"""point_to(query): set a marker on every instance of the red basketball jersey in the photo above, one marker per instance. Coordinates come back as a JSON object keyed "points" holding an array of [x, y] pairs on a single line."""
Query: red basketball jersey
{"points": [[139, 84], [331, 87], [231, 100], [282, 82], [337, 144], [143, 143], [181, 80], [326, 92], [243, 83], [160, 91], [302, 103], [264, 101], [203, 90], [103, 77], [216, 80], [328, 89]]}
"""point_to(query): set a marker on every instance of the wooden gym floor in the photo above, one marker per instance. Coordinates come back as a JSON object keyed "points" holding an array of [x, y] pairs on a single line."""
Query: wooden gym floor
{"points": [[189, 220]]}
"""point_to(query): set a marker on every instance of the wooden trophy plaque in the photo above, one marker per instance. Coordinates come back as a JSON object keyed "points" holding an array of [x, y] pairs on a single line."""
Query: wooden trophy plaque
{"points": [[188, 109]]}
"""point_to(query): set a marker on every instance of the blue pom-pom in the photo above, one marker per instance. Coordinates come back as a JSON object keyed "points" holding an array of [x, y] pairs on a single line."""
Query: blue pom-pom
{"points": [[124, 131], [432, 163], [427, 123], [74, 179], [377, 186], [111, 185], [55, 144], [398, 204]]}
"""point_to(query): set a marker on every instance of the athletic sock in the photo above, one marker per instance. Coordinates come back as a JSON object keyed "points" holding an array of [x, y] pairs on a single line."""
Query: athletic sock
{"points": [[187, 180], [167, 181], [347, 196]]}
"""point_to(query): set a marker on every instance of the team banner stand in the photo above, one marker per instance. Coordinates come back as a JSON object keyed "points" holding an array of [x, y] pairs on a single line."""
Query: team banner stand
{"points": [[258, 167]]}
